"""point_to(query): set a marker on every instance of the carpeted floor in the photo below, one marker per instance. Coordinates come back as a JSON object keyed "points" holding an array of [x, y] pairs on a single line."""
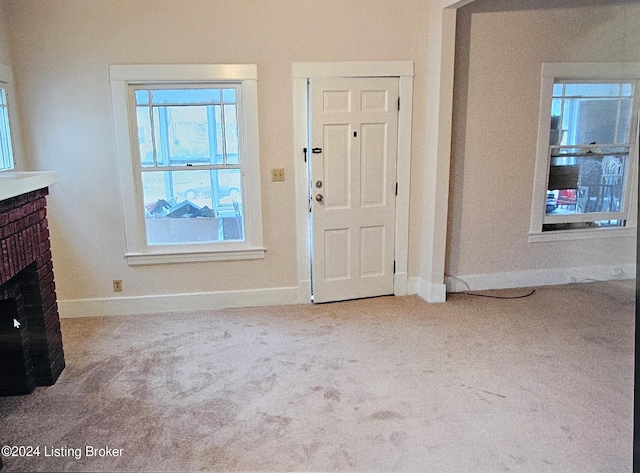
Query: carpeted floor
{"points": [[540, 384]]}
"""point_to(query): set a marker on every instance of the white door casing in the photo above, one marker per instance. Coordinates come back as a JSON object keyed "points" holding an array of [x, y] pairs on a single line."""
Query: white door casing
{"points": [[354, 122], [305, 72]]}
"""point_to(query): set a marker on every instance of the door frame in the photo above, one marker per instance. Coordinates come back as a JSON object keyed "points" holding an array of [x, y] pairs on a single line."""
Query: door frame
{"points": [[302, 73]]}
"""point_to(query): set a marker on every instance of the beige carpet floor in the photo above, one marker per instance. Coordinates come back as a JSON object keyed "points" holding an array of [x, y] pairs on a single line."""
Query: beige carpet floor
{"points": [[539, 384]]}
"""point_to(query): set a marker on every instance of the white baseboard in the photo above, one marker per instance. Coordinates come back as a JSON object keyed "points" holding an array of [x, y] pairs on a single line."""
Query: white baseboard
{"points": [[299, 295], [431, 292], [304, 291], [539, 277], [178, 302], [412, 286], [401, 284], [191, 302]]}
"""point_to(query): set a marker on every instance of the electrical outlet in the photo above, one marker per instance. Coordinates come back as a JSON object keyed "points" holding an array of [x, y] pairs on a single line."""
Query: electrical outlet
{"points": [[277, 174], [117, 285]]}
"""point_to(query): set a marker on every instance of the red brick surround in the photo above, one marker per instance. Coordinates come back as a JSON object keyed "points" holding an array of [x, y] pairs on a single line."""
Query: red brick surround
{"points": [[27, 293]]}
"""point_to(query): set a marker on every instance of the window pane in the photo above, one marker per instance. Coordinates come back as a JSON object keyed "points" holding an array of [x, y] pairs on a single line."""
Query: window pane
{"points": [[191, 134], [190, 127], [181, 135], [229, 95], [586, 184], [557, 90], [145, 136], [231, 133], [160, 140], [6, 150], [142, 97], [625, 121], [590, 120], [591, 113], [188, 135], [219, 133], [184, 207], [592, 90], [228, 191], [186, 96], [552, 227], [627, 90]]}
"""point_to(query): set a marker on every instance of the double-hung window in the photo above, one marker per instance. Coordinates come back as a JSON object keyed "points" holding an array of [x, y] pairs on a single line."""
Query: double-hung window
{"points": [[189, 168], [587, 151]]}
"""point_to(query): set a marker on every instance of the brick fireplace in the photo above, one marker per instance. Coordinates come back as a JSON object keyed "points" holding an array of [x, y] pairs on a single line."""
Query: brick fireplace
{"points": [[30, 338]]}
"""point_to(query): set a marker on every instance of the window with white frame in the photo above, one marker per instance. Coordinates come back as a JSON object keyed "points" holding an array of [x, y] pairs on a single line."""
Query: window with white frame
{"points": [[189, 165], [6, 143], [587, 150]]}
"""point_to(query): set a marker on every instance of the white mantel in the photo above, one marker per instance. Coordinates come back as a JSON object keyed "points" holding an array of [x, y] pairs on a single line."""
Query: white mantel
{"points": [[18, 183]]}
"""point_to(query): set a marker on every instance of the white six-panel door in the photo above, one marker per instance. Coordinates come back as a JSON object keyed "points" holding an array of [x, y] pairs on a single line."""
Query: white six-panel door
{"points": [[354, 129]]}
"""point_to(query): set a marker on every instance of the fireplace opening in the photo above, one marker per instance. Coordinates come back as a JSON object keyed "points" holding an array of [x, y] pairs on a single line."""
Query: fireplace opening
{"points": [[17, 374]]}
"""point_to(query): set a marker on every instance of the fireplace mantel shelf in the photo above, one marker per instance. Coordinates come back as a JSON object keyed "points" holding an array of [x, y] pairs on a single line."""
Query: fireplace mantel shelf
{"points": [[13, 184]]}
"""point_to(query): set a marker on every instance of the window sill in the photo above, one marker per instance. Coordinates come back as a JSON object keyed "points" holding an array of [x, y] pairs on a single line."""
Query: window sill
{"points": [[141, 259], [587, 234]]}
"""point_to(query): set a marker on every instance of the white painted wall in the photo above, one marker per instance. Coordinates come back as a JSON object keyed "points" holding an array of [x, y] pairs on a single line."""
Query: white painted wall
{"points": [[62, 51], [499, 55], [5, 47]]}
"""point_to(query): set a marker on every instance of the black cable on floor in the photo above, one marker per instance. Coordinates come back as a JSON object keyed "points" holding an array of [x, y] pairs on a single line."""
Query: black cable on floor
{"points": [[498, 297]]}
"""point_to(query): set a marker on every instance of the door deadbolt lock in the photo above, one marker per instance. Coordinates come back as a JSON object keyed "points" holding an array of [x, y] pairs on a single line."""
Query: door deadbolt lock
{"points": [[319, 198], [319, 184]]}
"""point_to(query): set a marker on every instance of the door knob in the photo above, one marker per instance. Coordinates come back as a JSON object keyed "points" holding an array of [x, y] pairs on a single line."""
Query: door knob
{"points": [[319, 198]]}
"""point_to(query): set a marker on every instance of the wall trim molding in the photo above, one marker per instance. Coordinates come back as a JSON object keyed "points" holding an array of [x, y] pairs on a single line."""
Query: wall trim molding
{"points": [[302, 72], [151, 304], [97, 307], [538, 277], [434, 293], [412, 286]]}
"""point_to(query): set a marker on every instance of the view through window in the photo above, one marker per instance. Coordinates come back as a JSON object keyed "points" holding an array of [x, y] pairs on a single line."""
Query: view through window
{"points": [[590, 142], [189, 162]]}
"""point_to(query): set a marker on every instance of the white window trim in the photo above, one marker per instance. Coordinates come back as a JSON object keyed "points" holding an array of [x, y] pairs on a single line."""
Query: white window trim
{"points": [[138, 252], [6, 80], [568, 71]]}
